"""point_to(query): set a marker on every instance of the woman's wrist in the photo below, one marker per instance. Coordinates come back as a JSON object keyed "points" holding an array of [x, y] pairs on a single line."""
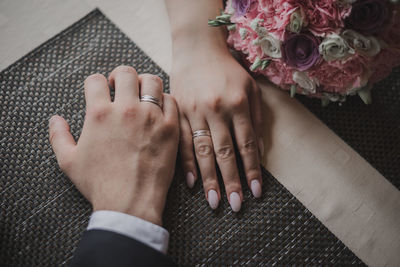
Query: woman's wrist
{"points": [[191, 35], [196, 51], [198, 42]]}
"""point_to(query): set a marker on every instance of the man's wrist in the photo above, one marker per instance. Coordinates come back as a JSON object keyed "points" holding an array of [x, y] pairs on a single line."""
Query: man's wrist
{"points": [[149, 210], [148, 215]]}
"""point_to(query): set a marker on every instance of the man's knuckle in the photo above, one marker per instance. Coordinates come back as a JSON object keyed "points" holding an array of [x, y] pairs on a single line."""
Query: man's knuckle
{"points": [[129, 112], [152, 77], [125, 69], [150, 117], [189, 106], [215, 103], [98, 114], [95, 77]]}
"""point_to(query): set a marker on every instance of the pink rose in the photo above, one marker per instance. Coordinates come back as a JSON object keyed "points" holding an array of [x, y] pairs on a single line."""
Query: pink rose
{"points": [[244, 42], [276, 15], [252, 13], [340, 77], [324, 16], [279, 73]]}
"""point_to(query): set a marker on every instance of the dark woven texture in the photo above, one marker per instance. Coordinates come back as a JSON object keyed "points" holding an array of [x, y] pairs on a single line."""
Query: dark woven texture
{"points": [[42, 215]]}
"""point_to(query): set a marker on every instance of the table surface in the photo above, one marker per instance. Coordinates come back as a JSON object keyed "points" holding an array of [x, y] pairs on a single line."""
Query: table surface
{"points": [[25, 24]]}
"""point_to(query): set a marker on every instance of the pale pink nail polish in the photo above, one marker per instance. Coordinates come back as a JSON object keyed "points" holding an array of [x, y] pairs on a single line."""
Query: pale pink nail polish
{"points": [[213, 199], [234, 200], [190, 179], [255, 188]]}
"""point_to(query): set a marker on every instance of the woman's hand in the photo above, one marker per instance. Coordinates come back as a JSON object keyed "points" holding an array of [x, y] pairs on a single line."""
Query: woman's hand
{"points": [[215, 93], [125, 157]]}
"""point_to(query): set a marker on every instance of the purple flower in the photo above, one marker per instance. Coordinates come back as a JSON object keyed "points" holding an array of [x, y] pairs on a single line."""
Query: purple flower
{"points": [[241, 7], [300, 51], [368, 16]]}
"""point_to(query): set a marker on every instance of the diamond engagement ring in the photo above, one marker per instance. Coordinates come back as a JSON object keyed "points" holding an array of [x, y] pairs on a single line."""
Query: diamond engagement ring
{"points": [[151, 99], [199, 133]]}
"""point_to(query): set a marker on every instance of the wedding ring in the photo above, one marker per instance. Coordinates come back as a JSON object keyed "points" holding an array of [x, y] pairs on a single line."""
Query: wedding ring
{"points": [[199, 133], [151, 99]]}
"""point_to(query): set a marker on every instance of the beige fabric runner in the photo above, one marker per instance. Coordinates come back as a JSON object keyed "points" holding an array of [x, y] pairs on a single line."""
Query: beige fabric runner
{"points": [[351, 198]]}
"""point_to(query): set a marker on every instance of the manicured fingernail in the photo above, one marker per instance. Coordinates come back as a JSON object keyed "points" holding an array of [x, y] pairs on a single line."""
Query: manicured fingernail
{"points": [[213, 199], [261, 146], [255, 188], [234, 200], [190, 179]]}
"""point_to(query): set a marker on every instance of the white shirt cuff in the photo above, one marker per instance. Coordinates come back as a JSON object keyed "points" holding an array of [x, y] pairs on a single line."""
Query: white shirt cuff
{"points": [[146, 232]]}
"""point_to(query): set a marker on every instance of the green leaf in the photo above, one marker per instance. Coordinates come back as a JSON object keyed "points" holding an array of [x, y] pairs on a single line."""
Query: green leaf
{"points": [[365, 95], [217, 23], [260, 63], [257, 63], [224, 17], [231, 27], [325, 101], [265, 63], [221, 20], [292, 90]]}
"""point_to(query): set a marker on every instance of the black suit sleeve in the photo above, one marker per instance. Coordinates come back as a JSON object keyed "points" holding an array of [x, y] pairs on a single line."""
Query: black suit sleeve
{"points": [[105, 248]]}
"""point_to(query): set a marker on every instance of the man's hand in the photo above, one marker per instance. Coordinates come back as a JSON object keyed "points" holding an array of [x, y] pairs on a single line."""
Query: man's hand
{"points": [[125, 157]]}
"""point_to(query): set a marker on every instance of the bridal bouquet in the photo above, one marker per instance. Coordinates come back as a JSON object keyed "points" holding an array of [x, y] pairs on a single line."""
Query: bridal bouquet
{"points": [[327, 49]]}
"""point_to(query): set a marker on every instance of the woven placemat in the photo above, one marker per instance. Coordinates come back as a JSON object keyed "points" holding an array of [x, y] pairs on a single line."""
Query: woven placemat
{"points": [[42, 215]]}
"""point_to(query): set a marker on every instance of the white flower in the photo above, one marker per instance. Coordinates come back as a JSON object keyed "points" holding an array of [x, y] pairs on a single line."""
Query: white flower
{"points": [[335, 47], [367, 46], [296, 21], [254, 23], [243, 33], [230, 8], [269, 45], [261, 31], [308, 85]]}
